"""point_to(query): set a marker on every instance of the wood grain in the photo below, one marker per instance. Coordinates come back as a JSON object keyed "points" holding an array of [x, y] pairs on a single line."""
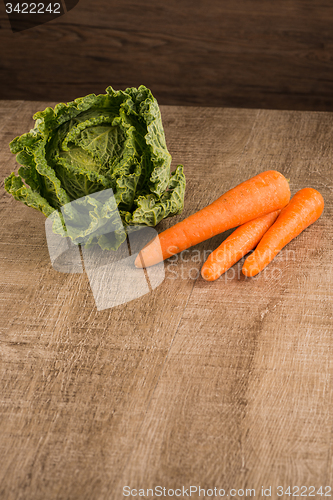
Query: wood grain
{"points": [[225, 384], [213, 53]]}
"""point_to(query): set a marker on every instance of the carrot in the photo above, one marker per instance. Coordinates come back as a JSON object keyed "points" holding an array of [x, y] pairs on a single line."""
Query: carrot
{"points": [[304, 208], [260, 195], [239, 243]]}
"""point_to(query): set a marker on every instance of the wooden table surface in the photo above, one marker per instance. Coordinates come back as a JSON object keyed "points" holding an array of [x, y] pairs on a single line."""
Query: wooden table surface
{"points": [[218, 385]]}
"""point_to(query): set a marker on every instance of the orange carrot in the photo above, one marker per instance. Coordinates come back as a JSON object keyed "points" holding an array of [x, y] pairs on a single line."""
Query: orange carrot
{"points": [[239, 243], [260, 195], [304, 208]]}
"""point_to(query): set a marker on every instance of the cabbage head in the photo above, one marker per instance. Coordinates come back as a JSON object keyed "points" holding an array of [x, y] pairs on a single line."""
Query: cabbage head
{"points": [[98, 142]]}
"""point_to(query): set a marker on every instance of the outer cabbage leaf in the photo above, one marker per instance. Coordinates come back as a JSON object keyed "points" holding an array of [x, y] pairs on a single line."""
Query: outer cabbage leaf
{"points": [[109, 141]]}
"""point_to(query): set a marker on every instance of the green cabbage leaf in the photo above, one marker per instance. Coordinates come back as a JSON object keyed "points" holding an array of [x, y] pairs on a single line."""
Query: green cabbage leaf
{"points": [[98, 142]]}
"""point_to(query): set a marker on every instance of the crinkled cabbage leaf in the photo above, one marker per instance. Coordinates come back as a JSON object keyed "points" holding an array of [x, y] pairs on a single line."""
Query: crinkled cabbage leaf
{"points": [[109, 141]]}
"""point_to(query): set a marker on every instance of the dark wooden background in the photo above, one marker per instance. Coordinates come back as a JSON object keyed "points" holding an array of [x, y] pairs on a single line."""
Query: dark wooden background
{"points": [[244, 53]]}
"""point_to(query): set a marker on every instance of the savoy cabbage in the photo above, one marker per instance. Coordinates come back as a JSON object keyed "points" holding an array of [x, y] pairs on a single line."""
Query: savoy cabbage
{"points": [[110, 141]]}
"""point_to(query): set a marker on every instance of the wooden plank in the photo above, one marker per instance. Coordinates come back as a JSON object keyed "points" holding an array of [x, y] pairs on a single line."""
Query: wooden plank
{"points": [[7, 111], [76, 382], [245, 395], [209, 53]]}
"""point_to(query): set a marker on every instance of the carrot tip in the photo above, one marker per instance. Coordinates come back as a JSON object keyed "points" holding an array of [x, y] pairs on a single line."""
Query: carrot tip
{"points": [[249, 273], [139, 262], [207, 275]]}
